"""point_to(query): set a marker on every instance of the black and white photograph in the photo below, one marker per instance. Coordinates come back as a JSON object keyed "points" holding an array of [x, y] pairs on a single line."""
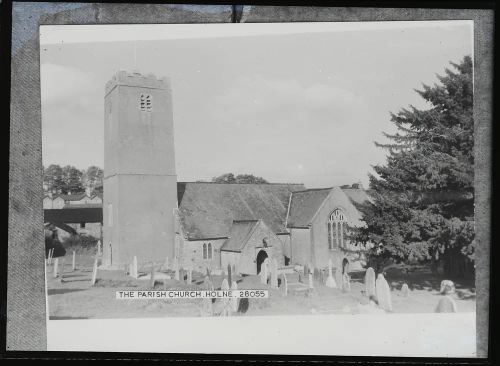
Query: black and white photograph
{"points": [[267, 171]]}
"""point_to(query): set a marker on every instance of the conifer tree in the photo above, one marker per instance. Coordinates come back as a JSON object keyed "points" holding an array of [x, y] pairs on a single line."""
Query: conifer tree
{"points": [[423, 199]]}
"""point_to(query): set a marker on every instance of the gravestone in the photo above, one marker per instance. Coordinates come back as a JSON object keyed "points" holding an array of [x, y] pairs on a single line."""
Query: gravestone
{"points": [[383, 293], [285, 285], [73, 266], [176, 268], [190, 276], [225, 302], [330, 281], [207, 302], [311, 285], [61, 271], [152, 276], [274, 272], [370, 282], [56, 263], [134, 271], [405, 290], [234, 301], [304, 278], [94, 273], [447, 287], [446, 305], [229, 279], [338, 276], [263, 272]]}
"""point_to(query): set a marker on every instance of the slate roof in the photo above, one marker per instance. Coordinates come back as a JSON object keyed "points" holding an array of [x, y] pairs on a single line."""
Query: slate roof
{"points": [[240, 233], [357, 196], [207, 210], [304, 205]]}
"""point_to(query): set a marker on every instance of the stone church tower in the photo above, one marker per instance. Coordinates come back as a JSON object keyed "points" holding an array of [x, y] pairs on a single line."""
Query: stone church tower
{"points": [[140, 184]]}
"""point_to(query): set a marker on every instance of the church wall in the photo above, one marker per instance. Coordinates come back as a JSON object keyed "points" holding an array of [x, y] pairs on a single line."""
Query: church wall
{"points": [[285, 240], [246, 261], [300, 246], [192, 254], [232, 258], [321, 253]]}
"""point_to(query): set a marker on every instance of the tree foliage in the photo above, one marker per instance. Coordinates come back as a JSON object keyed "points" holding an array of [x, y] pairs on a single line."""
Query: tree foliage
{"points": [[240, 178], [423, 199], [70, 180], [92, 178]]}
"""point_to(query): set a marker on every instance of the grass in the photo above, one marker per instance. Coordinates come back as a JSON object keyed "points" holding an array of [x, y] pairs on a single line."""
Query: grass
{"points": [[75, 298]]}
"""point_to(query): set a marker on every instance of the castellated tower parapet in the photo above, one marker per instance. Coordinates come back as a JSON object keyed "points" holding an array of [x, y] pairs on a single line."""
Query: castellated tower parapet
{"points": [[140, 182], [135, 78]]}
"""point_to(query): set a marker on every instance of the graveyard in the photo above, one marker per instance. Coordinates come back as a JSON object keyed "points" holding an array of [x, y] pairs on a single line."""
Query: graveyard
{"points": [[78, 289]]}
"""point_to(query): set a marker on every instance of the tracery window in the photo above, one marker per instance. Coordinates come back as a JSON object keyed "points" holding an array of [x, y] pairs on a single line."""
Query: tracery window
{"points": [[336, 226]]}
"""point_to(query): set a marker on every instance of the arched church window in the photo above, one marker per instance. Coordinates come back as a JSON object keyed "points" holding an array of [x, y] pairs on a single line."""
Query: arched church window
{"points": [[336, 224], [209, 251], [204, 251]]}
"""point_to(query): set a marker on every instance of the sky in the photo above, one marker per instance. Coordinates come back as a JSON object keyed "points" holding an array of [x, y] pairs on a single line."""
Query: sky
{"points": [[290, 102]]}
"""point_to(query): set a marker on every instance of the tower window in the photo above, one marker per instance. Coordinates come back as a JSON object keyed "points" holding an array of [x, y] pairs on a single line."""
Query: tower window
{"points": [[146, 102]]}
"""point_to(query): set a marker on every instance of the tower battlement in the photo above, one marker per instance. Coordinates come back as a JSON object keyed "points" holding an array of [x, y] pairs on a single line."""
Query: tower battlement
{"points": [[136, 79]]}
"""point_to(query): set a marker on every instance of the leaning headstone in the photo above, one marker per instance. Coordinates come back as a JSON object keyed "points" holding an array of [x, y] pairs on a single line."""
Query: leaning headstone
{"points": [[56, 264], [370, 282], [447, 287], [73, 267], [405, 290], [229, 279], [234, 300], [94, 273], [330, 281], [383, 293], [134, 272], [274, 272], [446, 305]]}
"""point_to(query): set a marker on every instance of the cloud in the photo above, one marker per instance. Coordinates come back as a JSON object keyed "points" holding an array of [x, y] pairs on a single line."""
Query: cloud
{"points": [[59, 83], [285, 103]]}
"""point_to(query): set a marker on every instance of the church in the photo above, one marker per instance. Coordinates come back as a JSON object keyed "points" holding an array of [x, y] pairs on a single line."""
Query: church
{"points": [[201, 225]]}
